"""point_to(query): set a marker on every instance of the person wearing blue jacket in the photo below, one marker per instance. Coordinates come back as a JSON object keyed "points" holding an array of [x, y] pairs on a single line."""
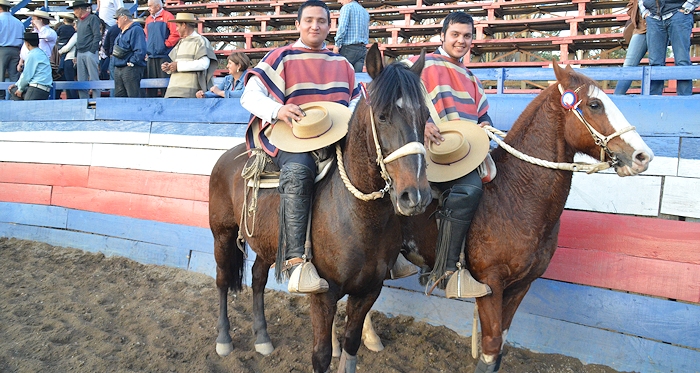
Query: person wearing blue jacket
{"points": [[129, 54], [232, 85], [36, 79]]}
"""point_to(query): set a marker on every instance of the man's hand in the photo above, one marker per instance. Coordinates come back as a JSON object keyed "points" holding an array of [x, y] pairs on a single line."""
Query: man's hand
{"points": [[199, 94], [165, 66], [18, 93], [432, 134], [169, 67], [336, 49], [290, 112], [482, 124]]}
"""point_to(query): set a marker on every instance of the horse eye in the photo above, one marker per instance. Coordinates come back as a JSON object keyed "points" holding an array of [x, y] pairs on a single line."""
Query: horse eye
{"points": [[382, 118], [595, 105]]}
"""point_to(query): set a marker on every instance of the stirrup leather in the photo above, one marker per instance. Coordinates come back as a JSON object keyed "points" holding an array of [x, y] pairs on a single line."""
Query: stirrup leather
{"points": [[462, 285], [305, 279], [402, 268]]}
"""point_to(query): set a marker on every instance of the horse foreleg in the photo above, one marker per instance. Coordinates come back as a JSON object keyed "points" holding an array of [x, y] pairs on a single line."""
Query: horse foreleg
{"points": [[224, 344], [323, 308], [263, 344], [357, 310], [490, 314]]}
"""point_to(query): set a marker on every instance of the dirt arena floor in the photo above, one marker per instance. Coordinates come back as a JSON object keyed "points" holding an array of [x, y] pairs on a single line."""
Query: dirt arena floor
{"points": [[66, 310]]}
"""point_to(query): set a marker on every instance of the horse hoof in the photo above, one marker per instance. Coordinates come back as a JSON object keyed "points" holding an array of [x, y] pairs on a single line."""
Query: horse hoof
{"points": [[224, 349], [372, 344], [264, 348]]}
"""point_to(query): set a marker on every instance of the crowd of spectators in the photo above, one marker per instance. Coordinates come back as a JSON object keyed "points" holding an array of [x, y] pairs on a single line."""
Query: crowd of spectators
{"points": [[82, 47]]}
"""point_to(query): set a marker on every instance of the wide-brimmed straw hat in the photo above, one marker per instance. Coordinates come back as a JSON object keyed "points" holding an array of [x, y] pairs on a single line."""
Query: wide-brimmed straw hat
{"points": [[67, 15], [6, 3], [40, 13], [185, 18], [465, 147], [324, 124], [79, 4]]}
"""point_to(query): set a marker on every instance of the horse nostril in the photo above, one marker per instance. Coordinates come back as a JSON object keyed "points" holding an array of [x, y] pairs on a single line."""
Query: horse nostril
{"points": [[641, 157]]}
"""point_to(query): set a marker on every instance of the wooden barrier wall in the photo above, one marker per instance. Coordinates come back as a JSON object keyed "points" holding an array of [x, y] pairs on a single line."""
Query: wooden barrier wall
{"points": [[130, 178]]}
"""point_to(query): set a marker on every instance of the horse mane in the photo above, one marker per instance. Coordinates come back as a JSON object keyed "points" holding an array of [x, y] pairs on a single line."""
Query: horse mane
{"points": [[544, 104], [395, 82]]}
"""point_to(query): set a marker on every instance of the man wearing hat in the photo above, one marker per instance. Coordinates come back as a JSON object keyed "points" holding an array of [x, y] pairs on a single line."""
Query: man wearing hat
{"points": [[161, 37], [284, 92], [87, 45], [47, 36], [193, 60], [11, 30], [129, 54], [455, 148], [35, 81]]}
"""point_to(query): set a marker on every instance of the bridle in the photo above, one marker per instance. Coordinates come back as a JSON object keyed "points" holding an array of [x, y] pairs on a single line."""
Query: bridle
{"points": [[413, 147], [570, 102]]}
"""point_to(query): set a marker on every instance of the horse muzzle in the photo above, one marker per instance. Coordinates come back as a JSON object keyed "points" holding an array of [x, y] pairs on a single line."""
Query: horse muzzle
{"points": [[638, 163], [411, 201]]}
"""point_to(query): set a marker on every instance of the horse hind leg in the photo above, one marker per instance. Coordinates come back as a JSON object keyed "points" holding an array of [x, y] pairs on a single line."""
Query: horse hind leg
{"points": [[263, 344], [229, 275]]}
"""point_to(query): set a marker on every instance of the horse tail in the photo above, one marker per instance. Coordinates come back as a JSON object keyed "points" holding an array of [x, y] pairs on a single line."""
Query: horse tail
{"points": [[237, 265]]}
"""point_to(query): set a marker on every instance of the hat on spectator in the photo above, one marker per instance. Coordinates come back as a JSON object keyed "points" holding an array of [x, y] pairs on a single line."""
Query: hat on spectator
{"points": [[31, 37], [324, 124], [185, 18], [65, 15], [123, 12], [6, 3], [40, 14], [80, 4], [465, 147]]}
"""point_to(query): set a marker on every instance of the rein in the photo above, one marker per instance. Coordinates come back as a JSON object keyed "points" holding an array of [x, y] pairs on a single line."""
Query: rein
{"points": [[408, 149]]}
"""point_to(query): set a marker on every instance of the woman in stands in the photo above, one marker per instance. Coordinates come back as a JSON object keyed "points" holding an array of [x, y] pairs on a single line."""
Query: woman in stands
{"points": [[232, 85]]}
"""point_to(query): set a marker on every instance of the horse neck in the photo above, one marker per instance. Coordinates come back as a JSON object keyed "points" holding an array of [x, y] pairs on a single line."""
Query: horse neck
{"points": [[538, 132]]}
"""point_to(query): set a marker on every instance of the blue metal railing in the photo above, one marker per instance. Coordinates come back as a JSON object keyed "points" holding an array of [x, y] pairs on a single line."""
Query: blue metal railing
{"points": [[645, 74]]}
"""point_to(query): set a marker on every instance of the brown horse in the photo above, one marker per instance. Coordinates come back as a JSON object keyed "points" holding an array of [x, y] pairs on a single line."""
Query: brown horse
{"points": [[514, 233], [355, 241]]}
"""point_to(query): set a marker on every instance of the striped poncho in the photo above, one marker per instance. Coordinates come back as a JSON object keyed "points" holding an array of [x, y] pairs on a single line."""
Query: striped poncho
{"points": [[454, 90], [297, 75]]}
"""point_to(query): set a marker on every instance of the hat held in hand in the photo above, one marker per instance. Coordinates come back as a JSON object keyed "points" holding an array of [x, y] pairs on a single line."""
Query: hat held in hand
{"points": [[325, 123], [465, 147]]}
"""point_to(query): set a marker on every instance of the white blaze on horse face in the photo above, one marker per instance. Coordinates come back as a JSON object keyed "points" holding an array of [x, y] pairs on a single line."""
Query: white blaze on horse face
{"points": [[618, 121]]}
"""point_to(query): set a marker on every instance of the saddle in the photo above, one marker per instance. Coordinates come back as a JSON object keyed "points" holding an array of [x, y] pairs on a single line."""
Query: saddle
{"points": [[259, 168]]}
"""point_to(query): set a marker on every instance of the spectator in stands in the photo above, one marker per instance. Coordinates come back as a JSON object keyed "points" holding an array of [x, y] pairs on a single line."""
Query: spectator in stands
{"points": [[106, 59], [456, 95], [669, 20], [106, 9], [232, 85], [47, 36], [87, 45], [68, 54], [64, 32], [129, 56], [11, 30], [273, 95], [161, 37], [193, 60], [35, 81], [353, 33], [636, 38]]}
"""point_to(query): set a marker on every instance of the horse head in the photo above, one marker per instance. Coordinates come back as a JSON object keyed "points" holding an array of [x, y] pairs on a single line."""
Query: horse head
{"points": [[596, 126], [398, 115]]}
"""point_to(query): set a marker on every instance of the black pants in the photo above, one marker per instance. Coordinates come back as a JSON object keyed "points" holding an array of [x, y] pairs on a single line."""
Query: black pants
{"points": [[69, 76], [31, 93], [9, 58], [305, 159], [127, 81], [153, 71]]}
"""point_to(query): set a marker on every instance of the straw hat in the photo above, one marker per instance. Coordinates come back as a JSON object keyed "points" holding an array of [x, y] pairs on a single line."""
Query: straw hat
{"points": [[185, 18], [324, 124], [67, 15], [6, 3], [465, 147], [40, 14]]}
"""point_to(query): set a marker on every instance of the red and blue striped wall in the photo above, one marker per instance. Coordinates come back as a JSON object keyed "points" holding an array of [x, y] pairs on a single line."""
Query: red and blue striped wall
{"points": [[130, 178]]}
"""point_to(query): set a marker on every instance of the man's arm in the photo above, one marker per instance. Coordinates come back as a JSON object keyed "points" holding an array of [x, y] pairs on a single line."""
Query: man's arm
{"points": [[196, 65], [173, 35], [258, 102], [689, 6], [343, 22], [96, 34], [29, 71]]}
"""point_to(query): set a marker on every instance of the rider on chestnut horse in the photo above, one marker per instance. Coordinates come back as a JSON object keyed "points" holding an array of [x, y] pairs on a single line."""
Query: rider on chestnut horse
{"points": [[456, 147]]}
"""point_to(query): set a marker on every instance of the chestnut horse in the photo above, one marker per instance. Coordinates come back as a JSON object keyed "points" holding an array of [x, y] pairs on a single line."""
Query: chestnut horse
{"points": [[514, 232], [355, 241]]}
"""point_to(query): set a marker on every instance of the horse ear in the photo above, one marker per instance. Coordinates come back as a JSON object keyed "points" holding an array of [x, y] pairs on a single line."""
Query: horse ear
{"points": [[374, 62], [561, 74], [417, 67]]}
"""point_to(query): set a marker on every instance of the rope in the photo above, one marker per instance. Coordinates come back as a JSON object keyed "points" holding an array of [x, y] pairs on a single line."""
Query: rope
{"points": [[351, 188], [493, 133], [251, 171]]}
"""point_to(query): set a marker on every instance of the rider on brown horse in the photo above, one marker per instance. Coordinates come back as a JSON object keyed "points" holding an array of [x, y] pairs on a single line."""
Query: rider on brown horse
{"points": [[456, 147]]}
